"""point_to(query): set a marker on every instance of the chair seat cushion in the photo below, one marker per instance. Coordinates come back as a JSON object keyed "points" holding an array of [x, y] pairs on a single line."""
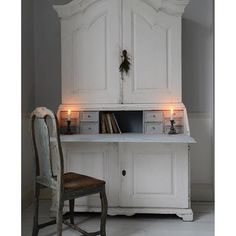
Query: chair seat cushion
{"points": [[74, 181]]}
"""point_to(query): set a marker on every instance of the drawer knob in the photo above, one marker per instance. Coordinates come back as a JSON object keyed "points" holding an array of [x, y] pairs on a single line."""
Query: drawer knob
{"points": [[154, 116], [89, 116], [89, 128], [124, 172], [153, 127]]}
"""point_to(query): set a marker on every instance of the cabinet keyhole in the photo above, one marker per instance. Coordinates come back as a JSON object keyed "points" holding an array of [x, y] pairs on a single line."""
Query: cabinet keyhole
{"points": [[124, 172]]}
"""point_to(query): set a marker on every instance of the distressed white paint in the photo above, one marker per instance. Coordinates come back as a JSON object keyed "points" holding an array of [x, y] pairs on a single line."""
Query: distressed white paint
{"points": [[157, 176], [93, 33], [122, 107], [157, 166], [153, 39], [90, 53], [97, 160], [128, 138]]}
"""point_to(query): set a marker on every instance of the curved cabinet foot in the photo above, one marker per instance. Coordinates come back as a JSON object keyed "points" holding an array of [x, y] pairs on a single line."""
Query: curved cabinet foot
{"points": [[187, 217]]}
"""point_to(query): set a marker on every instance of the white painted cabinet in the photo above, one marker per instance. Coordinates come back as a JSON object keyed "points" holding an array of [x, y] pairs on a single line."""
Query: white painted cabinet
{"points": [[153, 39], [99, 160], [155, 175], [140, 177], [93, 35], [90, 51], [144, 173]]}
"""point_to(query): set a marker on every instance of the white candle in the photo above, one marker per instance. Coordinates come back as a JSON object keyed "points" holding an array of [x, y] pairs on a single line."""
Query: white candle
{"points": [[68, 115], [171, 113]]}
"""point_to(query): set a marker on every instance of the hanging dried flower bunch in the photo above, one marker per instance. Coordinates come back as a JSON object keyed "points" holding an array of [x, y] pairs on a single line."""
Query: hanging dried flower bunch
{"points": [[125, 65]]}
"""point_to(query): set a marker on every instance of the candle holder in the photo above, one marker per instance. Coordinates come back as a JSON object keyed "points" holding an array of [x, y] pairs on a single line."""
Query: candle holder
{"points": [[68, 128], [172, 128]]}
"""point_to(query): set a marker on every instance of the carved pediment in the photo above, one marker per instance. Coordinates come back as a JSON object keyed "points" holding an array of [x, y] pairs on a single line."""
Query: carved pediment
{"points": [[73, 7], [172, 7]]}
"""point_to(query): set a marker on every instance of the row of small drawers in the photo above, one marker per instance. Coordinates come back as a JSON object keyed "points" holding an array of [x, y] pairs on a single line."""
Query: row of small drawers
{"points": [[160, 116], [157, 122], [159, 128], [154, 122], [89, 122]]}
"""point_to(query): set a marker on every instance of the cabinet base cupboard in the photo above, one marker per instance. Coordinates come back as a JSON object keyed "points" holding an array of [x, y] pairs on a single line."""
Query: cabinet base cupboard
{"points": [[145, 169], [140, 177]]}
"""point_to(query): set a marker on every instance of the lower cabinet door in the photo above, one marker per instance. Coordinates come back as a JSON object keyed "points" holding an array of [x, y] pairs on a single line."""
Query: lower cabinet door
{"points": [[99, 160], [154, 175]]}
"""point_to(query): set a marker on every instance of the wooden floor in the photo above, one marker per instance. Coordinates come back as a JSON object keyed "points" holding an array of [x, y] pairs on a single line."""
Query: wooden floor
{"points": [[137, 225]]}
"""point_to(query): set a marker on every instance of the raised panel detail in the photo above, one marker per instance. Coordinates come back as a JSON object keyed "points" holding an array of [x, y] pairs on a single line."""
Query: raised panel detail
{"points": [[87, 163], [153, 40], [98, 160], [150, 50], [90, 54], [90, 59], [160, 171], [156, 175]]}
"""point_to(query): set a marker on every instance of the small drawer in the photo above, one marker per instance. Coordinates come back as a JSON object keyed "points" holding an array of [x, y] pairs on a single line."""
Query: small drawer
{"points": [[153, 128], [153, 116], [89, 128], [89, 116]]}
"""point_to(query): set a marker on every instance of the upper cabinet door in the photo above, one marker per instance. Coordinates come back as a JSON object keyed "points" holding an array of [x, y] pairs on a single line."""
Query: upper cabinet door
{"points": [[90, 51], [152, 38]]}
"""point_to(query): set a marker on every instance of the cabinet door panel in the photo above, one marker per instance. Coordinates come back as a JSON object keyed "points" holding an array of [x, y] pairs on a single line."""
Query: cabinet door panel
{"points": [[95, 160], [156, 175], [153, 40], [89, 51], [90, 54]]}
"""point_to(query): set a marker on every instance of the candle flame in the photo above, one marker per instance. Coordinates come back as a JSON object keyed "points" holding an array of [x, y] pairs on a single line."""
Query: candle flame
{"points": [[69, 111]]}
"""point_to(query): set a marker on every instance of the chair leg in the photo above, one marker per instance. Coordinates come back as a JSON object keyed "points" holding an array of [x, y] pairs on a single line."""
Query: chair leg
{"points": [[104, 212], [72, 204], [59, 217], [35, 210]]}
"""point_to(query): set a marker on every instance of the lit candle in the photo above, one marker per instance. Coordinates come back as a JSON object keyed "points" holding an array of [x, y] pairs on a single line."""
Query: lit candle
{"points": [[68, 115], [171, 113]]}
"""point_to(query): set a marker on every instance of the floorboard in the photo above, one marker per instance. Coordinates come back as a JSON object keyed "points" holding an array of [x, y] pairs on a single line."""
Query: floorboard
{"points": [[137, 225]]}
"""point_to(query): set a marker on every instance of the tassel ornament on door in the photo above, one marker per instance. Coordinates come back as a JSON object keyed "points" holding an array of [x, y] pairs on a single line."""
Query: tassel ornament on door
{"points": [[125, 65]]}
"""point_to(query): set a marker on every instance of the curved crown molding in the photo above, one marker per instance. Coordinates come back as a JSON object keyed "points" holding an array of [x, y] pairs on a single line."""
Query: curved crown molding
{"points": [[73, 7], [172, 7]]}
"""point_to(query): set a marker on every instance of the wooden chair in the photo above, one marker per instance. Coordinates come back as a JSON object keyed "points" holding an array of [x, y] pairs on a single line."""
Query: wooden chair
{"points": [[67, 186]]}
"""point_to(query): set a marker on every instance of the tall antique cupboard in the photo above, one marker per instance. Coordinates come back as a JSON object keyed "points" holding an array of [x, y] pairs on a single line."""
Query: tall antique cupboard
{"points": [[145, 168]]}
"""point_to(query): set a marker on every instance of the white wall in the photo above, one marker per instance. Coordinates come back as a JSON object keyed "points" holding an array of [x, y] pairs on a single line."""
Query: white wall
{"points": [[197, 69], [197, 56], [28, 101], [47, 54]]}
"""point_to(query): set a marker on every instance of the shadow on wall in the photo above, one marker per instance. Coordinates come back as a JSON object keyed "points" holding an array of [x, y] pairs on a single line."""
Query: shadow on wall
{"points": [[197, 66], [47, 40]]}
